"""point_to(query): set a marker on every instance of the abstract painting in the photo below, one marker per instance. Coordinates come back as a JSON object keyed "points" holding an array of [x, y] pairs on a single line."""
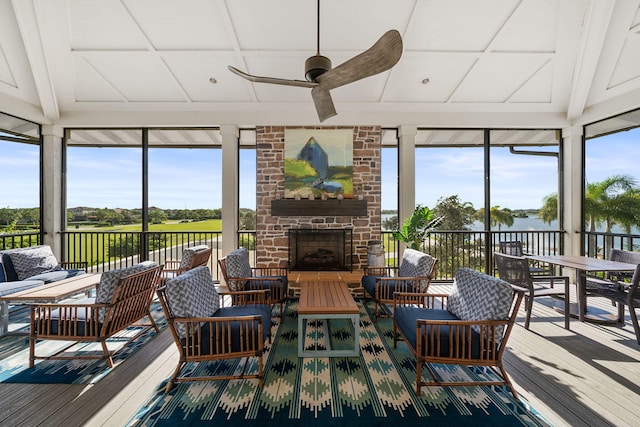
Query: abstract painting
{"points": [[318, 163]]}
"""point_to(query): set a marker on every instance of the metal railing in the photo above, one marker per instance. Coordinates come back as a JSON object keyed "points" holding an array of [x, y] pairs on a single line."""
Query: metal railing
{"points": [[456, 249], [599, 244], [19, 240], [104, 250]]}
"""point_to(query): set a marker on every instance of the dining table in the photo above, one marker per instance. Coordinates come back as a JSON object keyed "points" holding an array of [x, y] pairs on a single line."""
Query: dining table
{"points": [[583, 265]]}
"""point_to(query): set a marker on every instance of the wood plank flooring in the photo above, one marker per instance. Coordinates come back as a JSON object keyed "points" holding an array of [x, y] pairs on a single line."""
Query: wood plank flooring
{"points": [[588, 376]]}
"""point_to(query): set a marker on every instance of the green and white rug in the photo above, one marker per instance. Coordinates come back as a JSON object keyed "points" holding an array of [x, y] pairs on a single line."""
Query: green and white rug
{"points": [[377, 388]]}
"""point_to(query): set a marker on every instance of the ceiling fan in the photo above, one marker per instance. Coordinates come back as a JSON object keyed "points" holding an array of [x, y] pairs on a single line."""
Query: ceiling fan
{"points": [[321, 78]]}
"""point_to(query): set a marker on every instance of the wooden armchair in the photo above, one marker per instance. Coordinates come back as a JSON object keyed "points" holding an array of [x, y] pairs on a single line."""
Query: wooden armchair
{"points": [[192, 257], [205, 331], [123, 298], [414, 274], [240, 276], [468, 327]]}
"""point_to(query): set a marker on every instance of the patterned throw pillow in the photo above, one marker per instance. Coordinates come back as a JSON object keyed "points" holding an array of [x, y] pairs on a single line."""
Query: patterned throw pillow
{"points": [[188, 254], [35, 260], [110, 279], [416, 264], [192, 294], [478, 296], [238, 264]]}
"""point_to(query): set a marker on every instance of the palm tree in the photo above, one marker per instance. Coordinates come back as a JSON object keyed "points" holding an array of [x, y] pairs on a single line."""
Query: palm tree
{"points": [[499, 216], [615, 200]]}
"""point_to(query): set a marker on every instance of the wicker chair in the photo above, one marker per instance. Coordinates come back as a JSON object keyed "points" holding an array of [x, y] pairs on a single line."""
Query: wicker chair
{"points": [[123, 298], [619, 287], [414, 274], [240, 276], [514, 247], [515, 270], [468, 327], [192, 257], [204, 331]]}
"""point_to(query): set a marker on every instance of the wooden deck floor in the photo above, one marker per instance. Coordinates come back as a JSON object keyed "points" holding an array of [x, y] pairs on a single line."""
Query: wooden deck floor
{"points": [[588, 376]]}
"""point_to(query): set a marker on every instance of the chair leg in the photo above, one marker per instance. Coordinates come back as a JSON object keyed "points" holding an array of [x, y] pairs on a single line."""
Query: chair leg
{"points": [[529, 307], [634, 320], [32, 350], [107, 354], [172, 380]]}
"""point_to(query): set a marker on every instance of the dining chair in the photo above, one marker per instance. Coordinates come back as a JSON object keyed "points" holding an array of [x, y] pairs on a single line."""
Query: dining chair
{"points": [[515, 270], [514, 247]]}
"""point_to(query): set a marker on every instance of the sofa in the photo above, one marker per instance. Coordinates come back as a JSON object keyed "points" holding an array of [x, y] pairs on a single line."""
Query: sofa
{"points": [[26, 268]]}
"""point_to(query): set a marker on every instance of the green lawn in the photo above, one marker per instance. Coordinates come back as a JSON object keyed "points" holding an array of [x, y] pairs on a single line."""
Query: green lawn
{"points": [[102, 244]]}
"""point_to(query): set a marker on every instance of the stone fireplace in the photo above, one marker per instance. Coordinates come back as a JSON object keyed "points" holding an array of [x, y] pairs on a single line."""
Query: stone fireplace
{"points": [[273, 227], [320, 250]]}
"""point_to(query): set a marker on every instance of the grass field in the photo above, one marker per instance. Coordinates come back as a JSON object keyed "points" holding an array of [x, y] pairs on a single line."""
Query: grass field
{"points": [[103, 244]]}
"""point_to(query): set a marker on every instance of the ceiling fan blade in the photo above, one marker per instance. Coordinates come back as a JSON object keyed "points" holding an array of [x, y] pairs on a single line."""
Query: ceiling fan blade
{"points": [[272, 80], [383, 55], [323, 102]]}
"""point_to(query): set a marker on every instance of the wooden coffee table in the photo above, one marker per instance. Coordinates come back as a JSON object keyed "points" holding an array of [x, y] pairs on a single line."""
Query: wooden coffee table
{"points": [[48, 293], [327, 300]]}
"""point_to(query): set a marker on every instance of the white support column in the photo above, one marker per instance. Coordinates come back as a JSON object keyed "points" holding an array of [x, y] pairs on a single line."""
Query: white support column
{"points": [[572, 138], [53, 221], [407, 171], [230, 155]]}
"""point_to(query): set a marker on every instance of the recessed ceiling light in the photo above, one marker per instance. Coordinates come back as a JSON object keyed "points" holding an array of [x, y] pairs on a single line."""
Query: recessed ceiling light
{"points": [[425, 80], [213, 81]]}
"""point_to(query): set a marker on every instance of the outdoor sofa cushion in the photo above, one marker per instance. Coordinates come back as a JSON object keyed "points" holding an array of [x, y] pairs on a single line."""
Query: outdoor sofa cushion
{"points": [[7, 288], [42, 260]]}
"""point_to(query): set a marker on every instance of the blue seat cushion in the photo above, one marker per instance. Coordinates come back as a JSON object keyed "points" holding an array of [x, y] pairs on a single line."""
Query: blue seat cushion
{"points": [[7, 288], [81, 315], [406, 318], [271, 282], [369, 284], [262, 310]]}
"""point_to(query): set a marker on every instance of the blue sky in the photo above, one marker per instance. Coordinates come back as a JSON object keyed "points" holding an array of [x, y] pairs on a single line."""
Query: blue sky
{"points": [[179, 178]]}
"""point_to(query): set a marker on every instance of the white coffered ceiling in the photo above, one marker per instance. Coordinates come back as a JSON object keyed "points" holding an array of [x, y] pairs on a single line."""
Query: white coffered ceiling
{"points": [[149, 62]]}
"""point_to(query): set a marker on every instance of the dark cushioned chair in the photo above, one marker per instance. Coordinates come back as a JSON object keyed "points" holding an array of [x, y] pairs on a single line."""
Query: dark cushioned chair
{"points": [[414, 274], [240, 276], [469, 326], [205, 331], [515, 270]]}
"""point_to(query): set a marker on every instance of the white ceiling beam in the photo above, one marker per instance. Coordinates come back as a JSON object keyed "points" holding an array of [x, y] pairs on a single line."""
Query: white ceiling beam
{"points": [[596, 23], [32, 37]]}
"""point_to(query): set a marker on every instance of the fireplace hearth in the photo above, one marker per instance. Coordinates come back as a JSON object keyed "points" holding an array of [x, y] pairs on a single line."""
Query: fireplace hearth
{"points": [[319, 250]]}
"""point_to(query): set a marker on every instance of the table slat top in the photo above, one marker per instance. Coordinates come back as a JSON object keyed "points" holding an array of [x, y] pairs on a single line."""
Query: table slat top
{"points": [[56, 291], [584, 263], [326, 298]]}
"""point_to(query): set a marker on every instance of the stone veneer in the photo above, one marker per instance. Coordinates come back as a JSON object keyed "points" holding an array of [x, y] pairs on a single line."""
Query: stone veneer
{"points": [[271, 231]]}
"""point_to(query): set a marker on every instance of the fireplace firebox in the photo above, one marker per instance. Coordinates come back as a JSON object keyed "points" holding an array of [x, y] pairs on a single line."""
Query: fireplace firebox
{"points": [[313, 249]]}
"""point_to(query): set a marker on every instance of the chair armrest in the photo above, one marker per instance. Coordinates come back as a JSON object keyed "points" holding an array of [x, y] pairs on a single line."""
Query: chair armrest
{"points": [[423, 299], [491, 339], [380, 271], [171, 265], [73, 320], [74, 265], [386, 286], [257, 296], [269, 271]]}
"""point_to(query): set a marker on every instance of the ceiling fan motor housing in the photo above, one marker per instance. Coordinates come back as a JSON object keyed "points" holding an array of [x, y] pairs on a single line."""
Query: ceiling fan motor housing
{"points": [[316, 65]]}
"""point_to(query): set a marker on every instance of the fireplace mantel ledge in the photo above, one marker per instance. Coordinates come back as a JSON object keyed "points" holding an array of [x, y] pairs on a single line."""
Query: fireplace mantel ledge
{"points": [[330, 207]]}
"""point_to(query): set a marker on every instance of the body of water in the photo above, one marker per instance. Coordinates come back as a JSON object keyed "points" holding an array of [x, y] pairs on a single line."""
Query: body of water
{"points": [[529, 223]]}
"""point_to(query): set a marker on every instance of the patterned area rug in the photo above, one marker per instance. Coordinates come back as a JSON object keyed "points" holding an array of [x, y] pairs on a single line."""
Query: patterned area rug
{"points": [[377, 388], [14, 366]]}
